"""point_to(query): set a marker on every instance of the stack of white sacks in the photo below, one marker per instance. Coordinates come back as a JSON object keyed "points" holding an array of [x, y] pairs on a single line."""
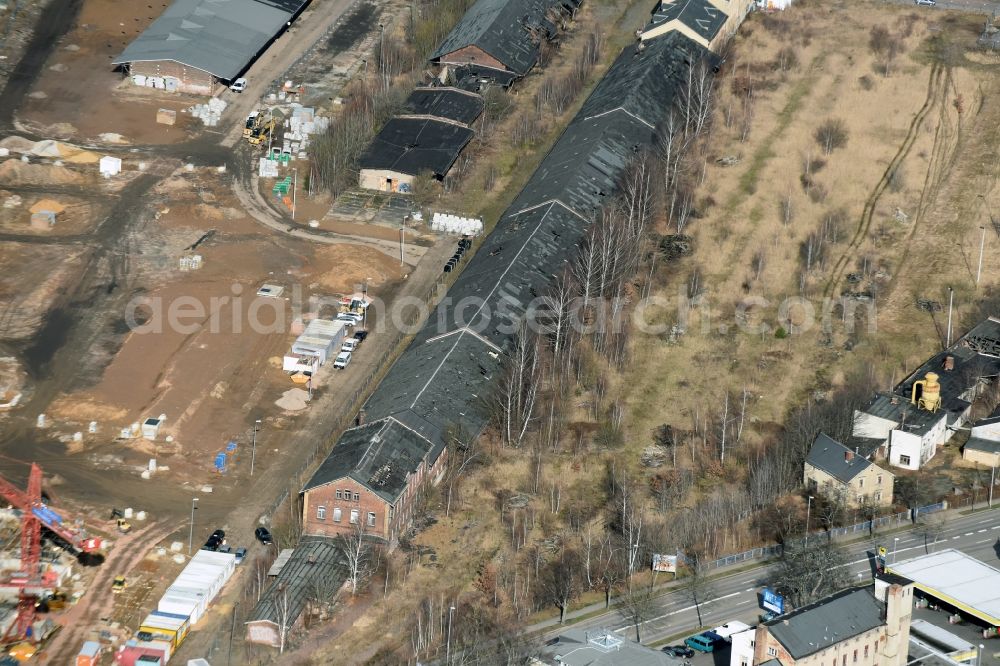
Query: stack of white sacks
{"points": [[453, 224]]}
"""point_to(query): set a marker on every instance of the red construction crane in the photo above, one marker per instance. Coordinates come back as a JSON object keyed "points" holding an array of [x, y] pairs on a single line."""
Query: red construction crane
{"points": [[34, 514]]}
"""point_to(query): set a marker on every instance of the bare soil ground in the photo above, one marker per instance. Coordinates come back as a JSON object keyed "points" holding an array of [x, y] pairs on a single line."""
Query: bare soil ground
{"points": [[81, 95], [209, 372]]}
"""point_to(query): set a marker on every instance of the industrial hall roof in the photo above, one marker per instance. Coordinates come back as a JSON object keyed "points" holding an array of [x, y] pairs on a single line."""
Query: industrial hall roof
{"points": [[959, 579], [448, 103], [413, 145], [836, 459], [378, 455], [315, 559], [220, 37], [508, 30], [445, 378], [704, 19]]}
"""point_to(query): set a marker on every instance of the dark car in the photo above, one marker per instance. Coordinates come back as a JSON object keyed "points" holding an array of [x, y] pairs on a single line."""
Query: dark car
{"points": [[213, 543], [360, 336], [682, 651], [263, 535], [219, 534]]}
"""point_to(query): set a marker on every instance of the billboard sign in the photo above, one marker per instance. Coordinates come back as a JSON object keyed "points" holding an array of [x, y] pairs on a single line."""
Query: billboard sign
{"points": [[665, 563], [773, 601]]}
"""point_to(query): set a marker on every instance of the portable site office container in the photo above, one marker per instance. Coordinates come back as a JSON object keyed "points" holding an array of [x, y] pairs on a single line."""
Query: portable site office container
{"points": [[198, 584], [321, 338], [170, 629], [184, 620], [180, 605], [183, 602]]}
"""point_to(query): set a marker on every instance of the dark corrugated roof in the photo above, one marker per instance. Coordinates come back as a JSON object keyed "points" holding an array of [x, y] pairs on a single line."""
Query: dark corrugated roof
{"points": [[701, 16], [444, 375], [836, 459], [503, 29], [314, 558], [644, 76], [217, 36], [378, 455], [448, 103], [616, 121], [836, 618], [411, 146]]}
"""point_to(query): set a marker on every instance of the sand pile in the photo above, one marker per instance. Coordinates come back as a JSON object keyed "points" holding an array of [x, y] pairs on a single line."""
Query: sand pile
{"points": [[293, 400], [15, 172]]}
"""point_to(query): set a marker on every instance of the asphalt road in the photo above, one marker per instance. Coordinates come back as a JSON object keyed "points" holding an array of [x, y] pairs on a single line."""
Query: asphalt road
{"points": [[973, 6], [736, 595]]}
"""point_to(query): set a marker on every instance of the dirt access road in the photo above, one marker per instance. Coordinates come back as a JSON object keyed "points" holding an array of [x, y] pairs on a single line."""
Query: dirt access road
{"points": [[95, 303]]}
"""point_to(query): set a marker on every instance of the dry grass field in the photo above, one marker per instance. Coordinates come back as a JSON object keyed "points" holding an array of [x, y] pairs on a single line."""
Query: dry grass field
{"points": [[892, 214], [889, 210]]}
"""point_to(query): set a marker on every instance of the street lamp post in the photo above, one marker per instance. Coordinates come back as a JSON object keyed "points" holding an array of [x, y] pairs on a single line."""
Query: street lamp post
{"points": [[895, 545], [993, 477], [982, 245], [232, 630], [979, 654], [295, 186], [447, 652], [809, 504], [253, 448], [194, 507]]}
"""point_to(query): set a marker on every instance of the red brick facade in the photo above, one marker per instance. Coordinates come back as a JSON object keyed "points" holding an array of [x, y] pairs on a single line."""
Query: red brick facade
{"points": [[329, 510], [472, 55]]}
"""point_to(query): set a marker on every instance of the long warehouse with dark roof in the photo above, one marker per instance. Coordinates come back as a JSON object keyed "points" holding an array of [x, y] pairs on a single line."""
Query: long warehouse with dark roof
{"points": [[196, 43], [440, 382]]}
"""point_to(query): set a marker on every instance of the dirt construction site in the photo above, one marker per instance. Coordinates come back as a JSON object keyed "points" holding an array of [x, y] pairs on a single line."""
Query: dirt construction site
{"points": [[151, 287], [132, 295]]}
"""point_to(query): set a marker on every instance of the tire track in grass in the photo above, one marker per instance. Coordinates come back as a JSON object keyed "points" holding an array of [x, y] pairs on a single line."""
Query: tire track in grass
{"points": [[864, 224]]}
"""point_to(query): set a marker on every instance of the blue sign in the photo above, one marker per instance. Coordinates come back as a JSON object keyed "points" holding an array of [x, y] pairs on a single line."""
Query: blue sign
{"points": [[46, 515], [773, 602]]}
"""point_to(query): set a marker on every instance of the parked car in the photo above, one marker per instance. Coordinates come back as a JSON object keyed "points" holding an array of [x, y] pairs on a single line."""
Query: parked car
{"points": [[929, 3], [119, 584], [219, 534], [263, 535], [239, 85], [350, 344], [360, 336], [224, 548], [348, 319], [704, 642], [343, 360], [241, 554], [681, 651]]}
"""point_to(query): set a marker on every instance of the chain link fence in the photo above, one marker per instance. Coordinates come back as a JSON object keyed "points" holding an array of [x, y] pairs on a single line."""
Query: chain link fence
{"points": [[867, 527]]}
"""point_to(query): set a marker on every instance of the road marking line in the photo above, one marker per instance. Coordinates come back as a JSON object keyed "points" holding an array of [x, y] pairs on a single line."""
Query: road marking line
{"points": [[955, 537], [750, 590], [982, 530], [969, 533]]}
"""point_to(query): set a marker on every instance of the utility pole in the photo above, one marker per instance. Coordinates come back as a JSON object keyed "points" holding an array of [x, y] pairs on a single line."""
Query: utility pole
{"points": [[194, 507], [951, 301], [982, 245], [295, 186], [809, 504], [447, 653], [993, 476], [402, 242], [232, 630], [253, 448]]}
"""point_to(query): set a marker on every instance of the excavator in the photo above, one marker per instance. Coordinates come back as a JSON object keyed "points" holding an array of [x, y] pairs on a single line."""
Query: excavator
{"points": [[258, 128]]}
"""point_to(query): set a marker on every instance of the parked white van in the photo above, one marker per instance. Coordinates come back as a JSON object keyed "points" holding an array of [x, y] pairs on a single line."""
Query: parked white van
{"points": [[343, 360]]}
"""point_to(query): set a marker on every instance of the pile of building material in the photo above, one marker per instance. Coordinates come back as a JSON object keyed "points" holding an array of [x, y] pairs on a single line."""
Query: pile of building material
{"points": [[453, 224], [209, 113], [57, 150]]}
